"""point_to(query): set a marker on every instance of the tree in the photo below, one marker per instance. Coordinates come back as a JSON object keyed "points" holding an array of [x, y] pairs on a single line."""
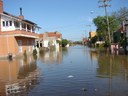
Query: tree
{"points": [[121, 15], [94, 39], [64, 42], [101, 24]]}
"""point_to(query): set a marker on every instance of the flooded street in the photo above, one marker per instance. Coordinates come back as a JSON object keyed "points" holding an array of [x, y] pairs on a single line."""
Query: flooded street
{"points": [[75, 71]]}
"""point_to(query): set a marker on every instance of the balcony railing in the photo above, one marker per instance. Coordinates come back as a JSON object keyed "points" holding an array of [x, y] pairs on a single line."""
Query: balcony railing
{"points": [[20, 33]]}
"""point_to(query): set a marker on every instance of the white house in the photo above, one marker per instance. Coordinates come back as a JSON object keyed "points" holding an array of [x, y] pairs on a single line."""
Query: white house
{"points": [[49, 39]]}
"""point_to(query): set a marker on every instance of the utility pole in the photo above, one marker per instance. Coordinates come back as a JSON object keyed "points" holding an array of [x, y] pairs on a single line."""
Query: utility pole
{"points": [[105, 5]]}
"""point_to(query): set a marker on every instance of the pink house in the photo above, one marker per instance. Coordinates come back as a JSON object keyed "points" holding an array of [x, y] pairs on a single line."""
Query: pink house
{"points": [[17, 34]]}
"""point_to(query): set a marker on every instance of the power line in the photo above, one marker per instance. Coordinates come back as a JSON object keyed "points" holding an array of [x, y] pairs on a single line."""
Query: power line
{"points": [[105, 5]]}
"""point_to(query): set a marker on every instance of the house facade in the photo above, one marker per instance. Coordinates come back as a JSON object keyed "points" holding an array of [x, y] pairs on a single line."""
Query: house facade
{"points": [[49, 39], [17, 34]]}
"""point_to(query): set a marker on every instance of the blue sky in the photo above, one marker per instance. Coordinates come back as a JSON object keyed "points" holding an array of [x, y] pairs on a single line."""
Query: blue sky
{"points": [[69, 17]]}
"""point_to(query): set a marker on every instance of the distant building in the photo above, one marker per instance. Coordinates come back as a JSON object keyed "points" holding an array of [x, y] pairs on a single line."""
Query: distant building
{"points": [[49, 39], [92, 34], [84, 41], [16, 34]]}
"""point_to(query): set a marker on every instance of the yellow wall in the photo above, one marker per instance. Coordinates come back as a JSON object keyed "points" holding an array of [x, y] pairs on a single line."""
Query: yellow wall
{"points": [[92, 34]]}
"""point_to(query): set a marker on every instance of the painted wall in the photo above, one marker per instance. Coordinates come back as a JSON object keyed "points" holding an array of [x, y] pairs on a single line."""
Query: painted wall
{"points": [[45, 43], [9, 44], [7, 28]]}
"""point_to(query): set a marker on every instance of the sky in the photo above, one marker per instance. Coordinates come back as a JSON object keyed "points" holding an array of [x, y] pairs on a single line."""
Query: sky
{"points": [[72, 18]]}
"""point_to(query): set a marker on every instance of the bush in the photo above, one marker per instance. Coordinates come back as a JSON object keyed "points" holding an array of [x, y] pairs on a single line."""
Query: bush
{"points": [[64, 42], [107, 44]]}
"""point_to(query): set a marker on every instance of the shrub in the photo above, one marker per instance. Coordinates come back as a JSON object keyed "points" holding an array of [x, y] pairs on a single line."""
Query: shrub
{"points": [[64, 42]]}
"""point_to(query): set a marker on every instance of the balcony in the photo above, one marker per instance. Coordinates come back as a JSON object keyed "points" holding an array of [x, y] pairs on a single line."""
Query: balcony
{"points": [[20, 33]]}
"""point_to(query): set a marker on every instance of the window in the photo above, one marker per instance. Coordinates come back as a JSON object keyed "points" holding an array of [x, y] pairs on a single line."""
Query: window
{"points": [[23, 25], [16, 23], [10, 23], [28, 27], [3, 23], [33, 28], [6, 23]]}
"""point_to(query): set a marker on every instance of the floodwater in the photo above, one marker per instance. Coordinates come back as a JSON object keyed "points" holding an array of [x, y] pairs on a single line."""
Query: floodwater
{"points": [[75, 71]]}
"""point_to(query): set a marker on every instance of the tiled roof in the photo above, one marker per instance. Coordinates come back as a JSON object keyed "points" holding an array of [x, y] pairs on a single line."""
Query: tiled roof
{"points": [[51, 34], [41, 35], [54, 34]]}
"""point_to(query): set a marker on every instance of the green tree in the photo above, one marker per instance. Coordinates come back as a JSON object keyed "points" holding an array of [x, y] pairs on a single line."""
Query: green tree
{"points": [[64, 42], [101, 24], [94, 39]]}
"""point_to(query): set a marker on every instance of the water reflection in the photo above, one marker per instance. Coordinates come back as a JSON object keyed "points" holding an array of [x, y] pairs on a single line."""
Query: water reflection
{"points": [[65, 51], [94, 54], [114, 70], [18, 76], [113, 64], [51, 56], [93, 73]]}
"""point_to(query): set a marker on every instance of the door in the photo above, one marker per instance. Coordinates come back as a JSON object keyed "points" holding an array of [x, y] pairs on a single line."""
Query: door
{"points": [[20, 46]]}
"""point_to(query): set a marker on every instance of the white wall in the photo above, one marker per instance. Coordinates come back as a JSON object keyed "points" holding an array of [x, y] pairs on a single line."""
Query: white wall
{"points": [[7, 28], [45, 43]]}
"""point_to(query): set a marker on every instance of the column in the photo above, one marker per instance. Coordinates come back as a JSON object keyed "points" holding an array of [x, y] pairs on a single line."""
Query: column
{"points": [[20, 25]]}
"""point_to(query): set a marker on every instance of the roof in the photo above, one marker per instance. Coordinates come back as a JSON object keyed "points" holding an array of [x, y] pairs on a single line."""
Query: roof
{"points": [[16, 17], [41, 35], [50, 34], [54, 34]]}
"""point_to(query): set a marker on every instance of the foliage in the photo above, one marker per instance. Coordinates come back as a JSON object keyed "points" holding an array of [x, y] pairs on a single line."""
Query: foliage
{"points": [[123, 42], [107, 44], [94, 39], [77, 42], [117, 37], [64, 42], [101, 24]]}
